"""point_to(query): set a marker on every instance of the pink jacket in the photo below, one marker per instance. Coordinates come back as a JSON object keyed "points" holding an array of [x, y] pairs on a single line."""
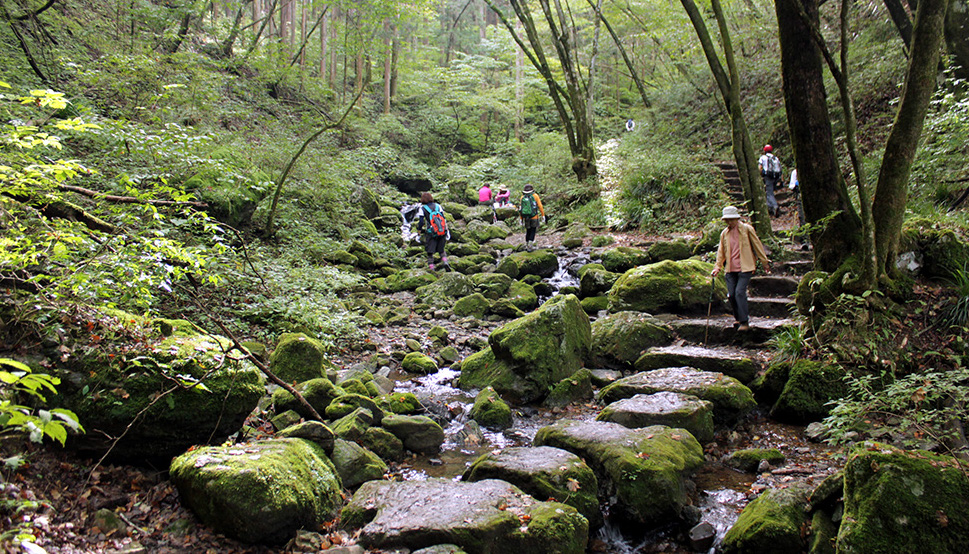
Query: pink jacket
{"points": [[484, 194]]}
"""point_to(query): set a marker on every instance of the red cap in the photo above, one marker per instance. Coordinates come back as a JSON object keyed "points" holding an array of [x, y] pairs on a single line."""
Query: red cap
{"points": [[768, 148]]}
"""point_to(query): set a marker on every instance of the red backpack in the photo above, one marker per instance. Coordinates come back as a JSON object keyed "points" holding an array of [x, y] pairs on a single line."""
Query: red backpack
{"points": [[436, 224]]}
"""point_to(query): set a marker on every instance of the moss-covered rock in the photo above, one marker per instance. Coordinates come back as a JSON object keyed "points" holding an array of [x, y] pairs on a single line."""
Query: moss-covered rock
{"points": [[730, 397], [940, 250], [383, 443], [418, 433], [523, 296], [770, 524], [526, 356], [671, 409], [354, 386], [403, 403], [445, 290], [624, 258], [297, 358], [903, 501], [749, 459], [259, 492], [768, 385], [409, 279], [643, 471], [485, 516], [482, 232], [599, 241], [734, 363], [669, 250], [574, 388], [681, 286], [355, 464], [116, 398], [810, 386], [619, 339], [354, 425], [319, 393], [542, 263], [545, 473], [490, 411], [474, 305], [346, 404], [596, 280], [491, 285], [415, 362], [472, 264], [313, 431], [592, 305]]}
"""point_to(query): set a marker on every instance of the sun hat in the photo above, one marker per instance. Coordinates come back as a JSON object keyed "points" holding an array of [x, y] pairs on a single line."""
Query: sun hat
{"points": [[730, 212], [528, 188]]}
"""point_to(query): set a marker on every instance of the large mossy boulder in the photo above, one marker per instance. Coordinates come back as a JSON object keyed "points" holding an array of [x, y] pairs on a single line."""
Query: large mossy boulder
{"points": [[523, 296], [421, 364], [487, 516], [645, 472], [669, 250], [772, 524], [810, 387], [671, 409], [903, 501], [596, 280], [668, 286], [730, 398], [445, 290], [113, 398], [475, 305], [624, 258], [297, 358], [540, 262], [619, 339], [545, 473], [261, 492], [528, 355]]}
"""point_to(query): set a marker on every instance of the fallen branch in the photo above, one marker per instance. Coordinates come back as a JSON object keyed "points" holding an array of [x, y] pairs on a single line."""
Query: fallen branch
{"points": [[54, 208], [130, 199]]}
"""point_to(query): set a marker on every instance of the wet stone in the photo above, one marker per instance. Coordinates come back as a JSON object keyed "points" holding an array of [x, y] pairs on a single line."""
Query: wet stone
{"points": [[672, 409], [730, 361]]}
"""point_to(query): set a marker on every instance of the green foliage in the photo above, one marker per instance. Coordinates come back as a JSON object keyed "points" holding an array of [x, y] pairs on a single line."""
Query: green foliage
{"points": [[957, 312], [940, 160], [790, 343], [918, 408], [664, 188], [18, 381]]}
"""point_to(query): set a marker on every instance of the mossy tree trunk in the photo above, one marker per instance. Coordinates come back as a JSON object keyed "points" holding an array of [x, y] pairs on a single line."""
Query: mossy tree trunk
{"points": [[836, 227], [891, 192]]}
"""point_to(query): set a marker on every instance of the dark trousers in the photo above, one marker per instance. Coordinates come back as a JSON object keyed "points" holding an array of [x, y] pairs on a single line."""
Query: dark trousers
{"points": [[531, 227], [737, 293], [769, 184], [434, 244]]}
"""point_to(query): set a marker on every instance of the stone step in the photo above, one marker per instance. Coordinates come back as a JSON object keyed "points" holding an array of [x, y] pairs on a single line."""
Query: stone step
{"points": [[732, 361], [772, 285], [765, 306], [794, 267], [720, 330]]}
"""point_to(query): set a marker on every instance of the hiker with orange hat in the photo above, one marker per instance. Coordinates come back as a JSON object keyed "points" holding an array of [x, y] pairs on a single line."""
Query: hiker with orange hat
{"points": [[740, 249]]}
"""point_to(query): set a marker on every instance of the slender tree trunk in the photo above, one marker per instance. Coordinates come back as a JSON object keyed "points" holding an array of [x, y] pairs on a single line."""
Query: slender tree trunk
{"points": [[388, 54], [901, 20], [234, 33], [891, 191], [323, 47], [633, 74]]}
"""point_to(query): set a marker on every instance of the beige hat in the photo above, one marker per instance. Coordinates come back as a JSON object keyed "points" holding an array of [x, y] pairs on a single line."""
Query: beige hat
{"points": [[730, 212]]}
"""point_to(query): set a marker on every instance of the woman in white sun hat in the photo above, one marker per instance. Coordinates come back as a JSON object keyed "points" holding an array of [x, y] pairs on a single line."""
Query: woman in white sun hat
{"points": [[739, 250]]}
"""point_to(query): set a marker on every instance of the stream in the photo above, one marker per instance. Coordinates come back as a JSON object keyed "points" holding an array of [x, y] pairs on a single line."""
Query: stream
{"points": [[721, 492]]}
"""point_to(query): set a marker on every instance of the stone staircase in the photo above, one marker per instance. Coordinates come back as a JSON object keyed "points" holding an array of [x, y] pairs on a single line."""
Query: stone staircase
{"points": [[735, 191]]}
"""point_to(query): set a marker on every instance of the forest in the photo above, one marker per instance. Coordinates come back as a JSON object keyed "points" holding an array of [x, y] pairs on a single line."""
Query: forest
{"points": [[223, 326]]}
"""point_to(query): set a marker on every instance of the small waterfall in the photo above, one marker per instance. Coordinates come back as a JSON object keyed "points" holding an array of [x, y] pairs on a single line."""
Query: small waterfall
{"points": [[409, 213]]}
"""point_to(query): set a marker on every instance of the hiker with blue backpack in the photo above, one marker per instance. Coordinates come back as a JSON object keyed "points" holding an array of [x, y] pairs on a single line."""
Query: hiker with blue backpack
{"points": [[436, 234], [770, 171], [532, 213]]}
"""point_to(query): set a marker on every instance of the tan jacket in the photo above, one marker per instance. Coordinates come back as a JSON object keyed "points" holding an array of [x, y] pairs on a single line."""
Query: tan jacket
{"points": [[750, 246]]}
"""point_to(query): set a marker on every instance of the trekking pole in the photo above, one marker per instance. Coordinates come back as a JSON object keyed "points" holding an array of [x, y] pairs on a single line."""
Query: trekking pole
{"points": [[706, 330]]}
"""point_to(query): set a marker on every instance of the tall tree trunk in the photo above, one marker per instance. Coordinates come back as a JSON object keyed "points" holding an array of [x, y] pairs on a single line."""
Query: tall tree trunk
{"points": [[891, 192], [234, 33], [836, 229], [323, 47], [640, 86], [729, 86], [388, 54], [957, 36], [902, 21]]}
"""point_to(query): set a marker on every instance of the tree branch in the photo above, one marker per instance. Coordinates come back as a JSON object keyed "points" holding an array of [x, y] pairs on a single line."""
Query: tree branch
{"points": [[130, 199]]}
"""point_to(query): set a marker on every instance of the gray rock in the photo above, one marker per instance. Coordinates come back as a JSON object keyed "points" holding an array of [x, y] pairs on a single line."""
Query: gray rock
{"points": [[672, 409], [618, 339], [314, 431], [730, 397], [486, 516], [355, 464], [730, 361], [418, 433], [543, 472]]}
